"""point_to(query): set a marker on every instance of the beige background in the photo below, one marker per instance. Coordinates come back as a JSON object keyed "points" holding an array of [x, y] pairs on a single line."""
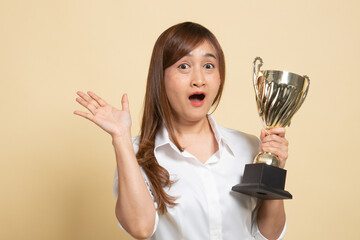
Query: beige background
{"points": [[56, 169]]}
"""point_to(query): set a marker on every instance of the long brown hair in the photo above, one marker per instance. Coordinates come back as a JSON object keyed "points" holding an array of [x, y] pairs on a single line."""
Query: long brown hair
{"points": [[171, 46]]}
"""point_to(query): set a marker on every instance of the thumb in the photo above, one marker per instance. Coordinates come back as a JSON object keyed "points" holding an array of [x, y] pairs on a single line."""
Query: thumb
{"points": [[262, 134], [125, 103]]}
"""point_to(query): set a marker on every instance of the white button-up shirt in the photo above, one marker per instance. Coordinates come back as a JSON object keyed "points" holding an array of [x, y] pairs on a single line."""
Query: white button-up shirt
{"points": [[207, 207]]}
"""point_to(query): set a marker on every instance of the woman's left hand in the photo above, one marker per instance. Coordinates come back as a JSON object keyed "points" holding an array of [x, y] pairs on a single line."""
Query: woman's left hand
{"points": [[276, 143]]}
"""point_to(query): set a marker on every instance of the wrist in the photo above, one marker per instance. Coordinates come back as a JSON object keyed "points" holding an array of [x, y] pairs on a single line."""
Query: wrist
{"points": [[121, 139]]}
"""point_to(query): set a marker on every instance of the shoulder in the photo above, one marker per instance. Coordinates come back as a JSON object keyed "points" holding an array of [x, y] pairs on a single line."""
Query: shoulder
{"points": [[238, 140], [232, 134]]}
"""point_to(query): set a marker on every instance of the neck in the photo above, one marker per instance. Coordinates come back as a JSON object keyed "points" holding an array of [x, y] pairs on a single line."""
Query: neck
{"points": [[183, 129]]}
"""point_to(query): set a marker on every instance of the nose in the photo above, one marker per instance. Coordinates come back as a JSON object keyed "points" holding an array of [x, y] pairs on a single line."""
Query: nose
{"points": [[197, 79]]}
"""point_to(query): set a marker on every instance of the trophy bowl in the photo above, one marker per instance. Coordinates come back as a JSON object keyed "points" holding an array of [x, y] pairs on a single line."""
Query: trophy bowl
{"points": [[279, 95]]}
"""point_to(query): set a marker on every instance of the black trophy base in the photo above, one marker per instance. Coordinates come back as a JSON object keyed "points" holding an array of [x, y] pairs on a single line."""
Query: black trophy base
{"points": [[263, 181]]}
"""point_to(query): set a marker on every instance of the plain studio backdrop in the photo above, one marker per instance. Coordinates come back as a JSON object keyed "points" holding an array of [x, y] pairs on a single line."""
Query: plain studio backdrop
{"points": [[56, 169]]}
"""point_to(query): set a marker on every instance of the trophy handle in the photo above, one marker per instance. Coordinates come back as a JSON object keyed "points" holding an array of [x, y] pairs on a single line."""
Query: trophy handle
{"points": [[306, 89], [258, 62], [256, 68]]}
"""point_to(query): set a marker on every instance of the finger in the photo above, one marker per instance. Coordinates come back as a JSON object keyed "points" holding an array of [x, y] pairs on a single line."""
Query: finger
{"points": [[275, 138], [273, 147], [87, 105], [278, 131], [99, 100], [125, 102], [88, 99], [85, 115], [279, 150]]}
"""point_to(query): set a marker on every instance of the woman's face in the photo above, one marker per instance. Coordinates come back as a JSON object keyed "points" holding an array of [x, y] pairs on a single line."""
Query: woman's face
{"points": [[192, 83]]}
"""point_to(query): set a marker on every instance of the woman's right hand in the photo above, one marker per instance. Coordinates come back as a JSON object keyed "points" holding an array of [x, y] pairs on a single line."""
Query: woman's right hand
{"points": [[114, 121]]}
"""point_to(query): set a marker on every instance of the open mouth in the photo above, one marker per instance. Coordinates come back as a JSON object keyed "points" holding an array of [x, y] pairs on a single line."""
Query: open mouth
{"points": [[197, 97]]}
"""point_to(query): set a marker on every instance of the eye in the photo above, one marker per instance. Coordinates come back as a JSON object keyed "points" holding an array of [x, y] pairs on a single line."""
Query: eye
{"points": [[184, 66], [209, 66]]}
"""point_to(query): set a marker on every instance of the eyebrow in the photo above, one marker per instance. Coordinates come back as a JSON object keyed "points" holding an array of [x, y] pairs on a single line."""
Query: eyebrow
{"points": [[210, 55], [205, 55]]}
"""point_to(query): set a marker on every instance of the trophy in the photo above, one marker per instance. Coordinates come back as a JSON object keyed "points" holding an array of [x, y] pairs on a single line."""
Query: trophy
{"points": [[279, 94]]}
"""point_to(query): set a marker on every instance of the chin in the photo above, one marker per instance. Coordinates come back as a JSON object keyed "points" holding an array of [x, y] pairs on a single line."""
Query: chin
{"points": [[196, 116]]}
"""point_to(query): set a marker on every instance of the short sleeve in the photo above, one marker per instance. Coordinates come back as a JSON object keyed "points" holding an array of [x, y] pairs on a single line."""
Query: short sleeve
{"points": [[255, 232], [147, 182]]}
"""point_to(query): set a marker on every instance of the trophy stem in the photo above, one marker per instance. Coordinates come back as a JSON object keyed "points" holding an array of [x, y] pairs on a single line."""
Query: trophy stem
{"points": [[267, 158]]}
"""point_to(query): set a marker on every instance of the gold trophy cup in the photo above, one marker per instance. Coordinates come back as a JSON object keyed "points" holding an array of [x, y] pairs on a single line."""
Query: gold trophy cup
{"points": [[279, 95]]}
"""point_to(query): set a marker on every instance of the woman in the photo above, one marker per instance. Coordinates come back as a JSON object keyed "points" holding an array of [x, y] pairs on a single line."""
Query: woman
{"points": [[174, 180]]}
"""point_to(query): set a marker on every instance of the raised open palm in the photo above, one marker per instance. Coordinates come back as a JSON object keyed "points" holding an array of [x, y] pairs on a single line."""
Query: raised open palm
{"points": [[114, 121]]}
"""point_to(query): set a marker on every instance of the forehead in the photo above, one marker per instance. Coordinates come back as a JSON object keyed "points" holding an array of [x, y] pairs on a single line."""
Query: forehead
{"points": [[205, 49]]}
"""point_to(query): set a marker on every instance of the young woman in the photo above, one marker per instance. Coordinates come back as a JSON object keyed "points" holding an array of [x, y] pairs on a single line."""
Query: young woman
{"points": [[174, 180]]}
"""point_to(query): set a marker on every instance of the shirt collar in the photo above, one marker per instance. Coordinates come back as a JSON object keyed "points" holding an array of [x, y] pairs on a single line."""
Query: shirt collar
{"points": [[219, 136], [162, 137]]}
